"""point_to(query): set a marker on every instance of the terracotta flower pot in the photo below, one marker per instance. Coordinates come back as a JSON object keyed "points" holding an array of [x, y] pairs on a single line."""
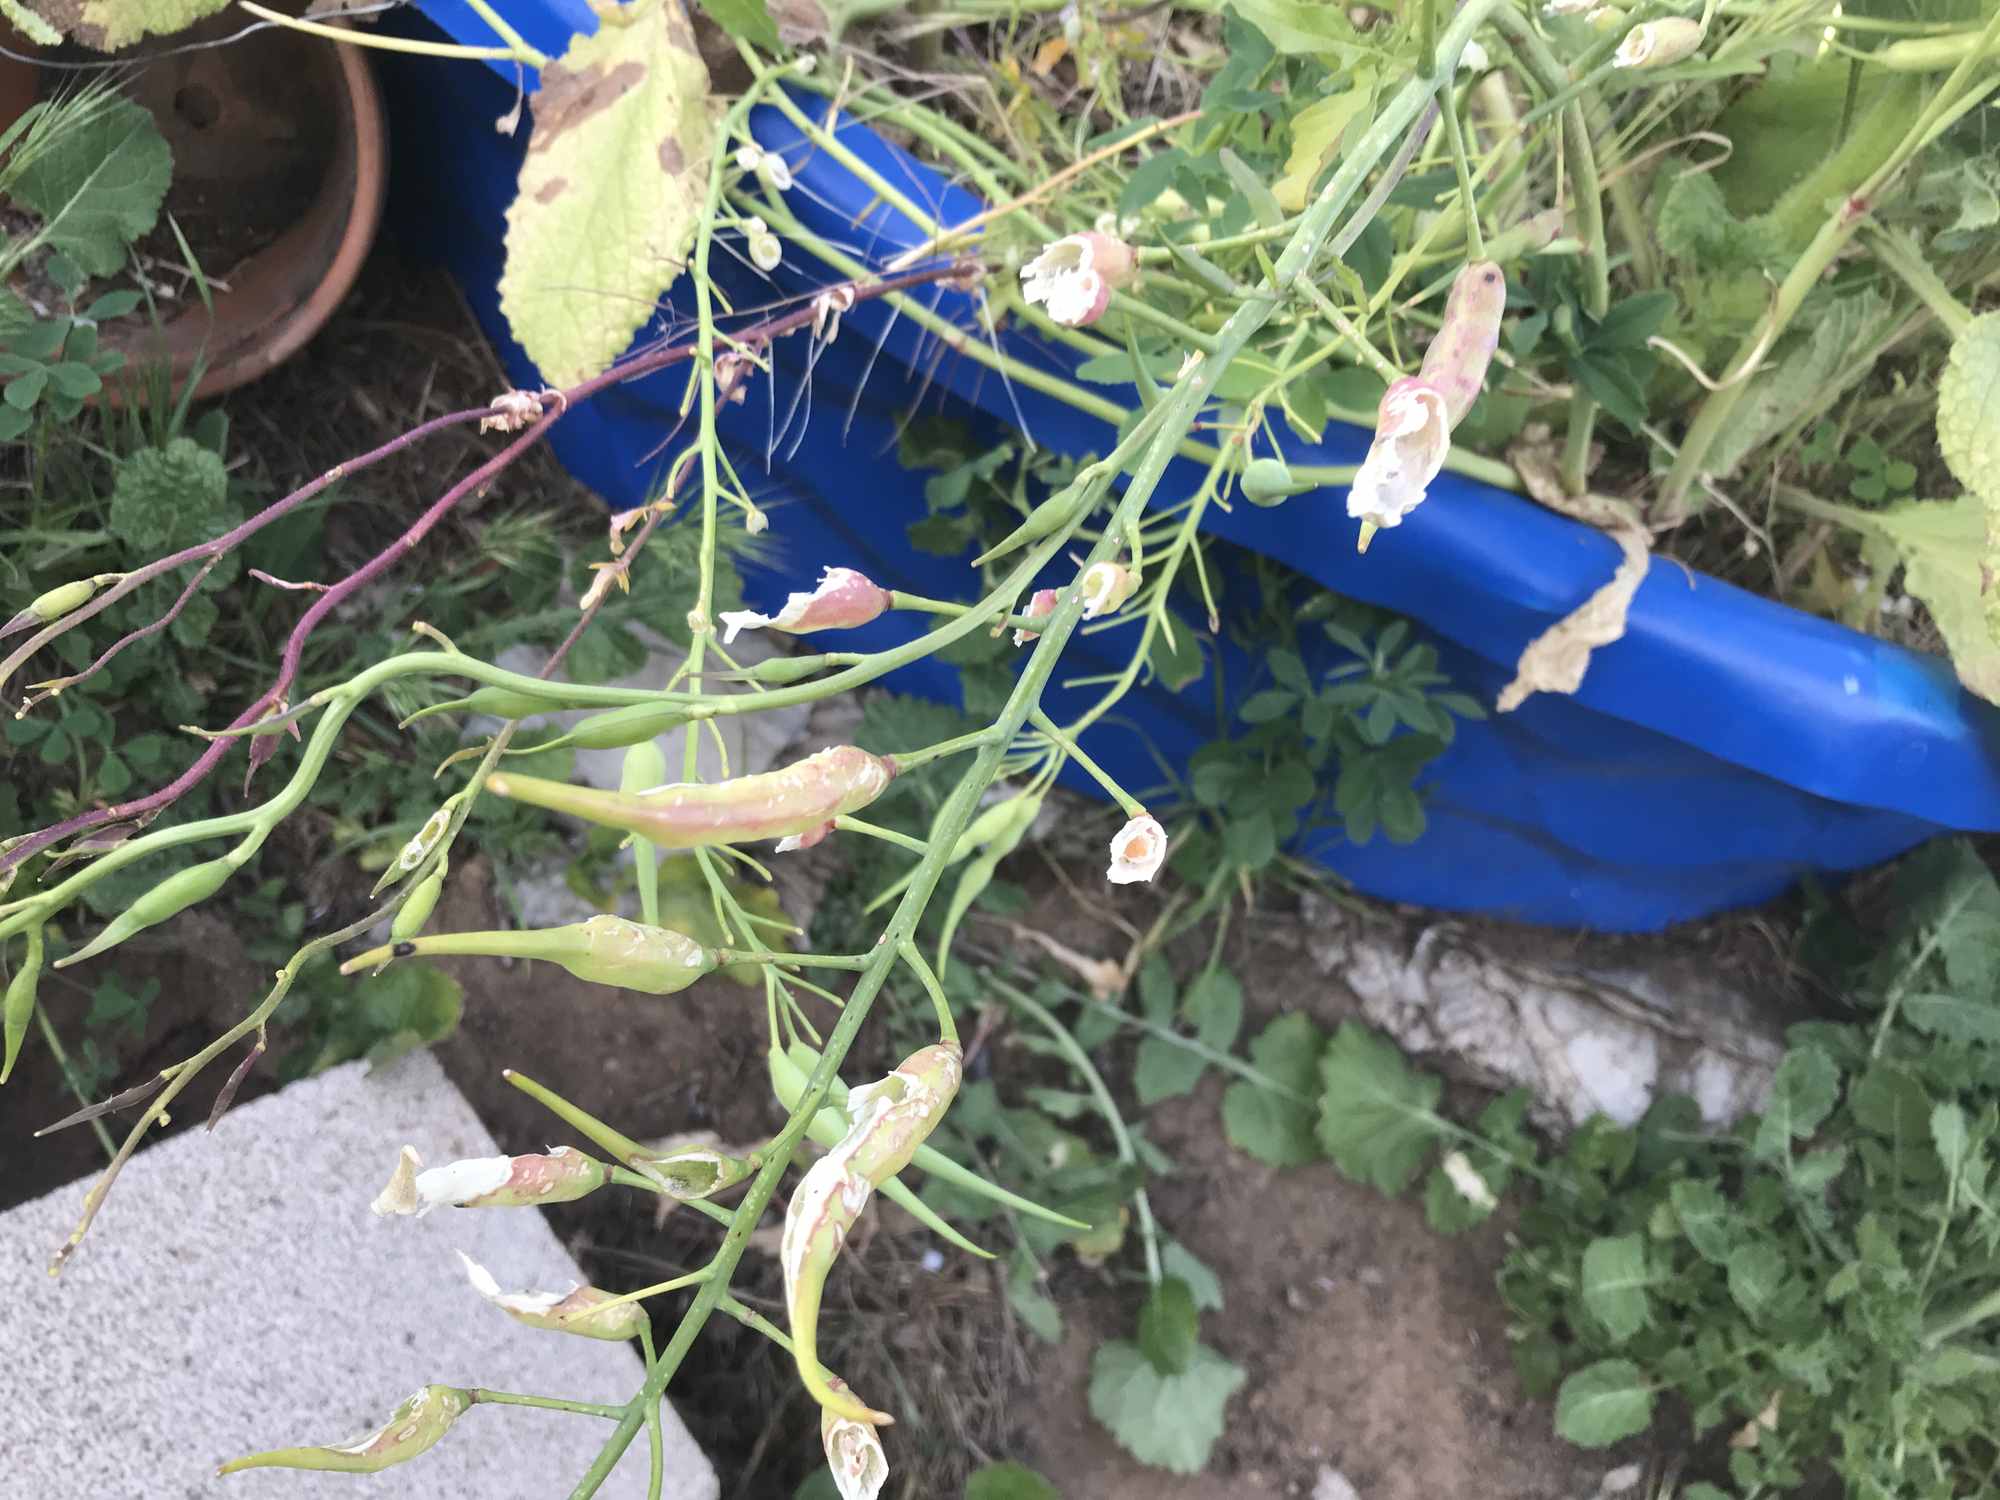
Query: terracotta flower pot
{"points": [[274, 124]]}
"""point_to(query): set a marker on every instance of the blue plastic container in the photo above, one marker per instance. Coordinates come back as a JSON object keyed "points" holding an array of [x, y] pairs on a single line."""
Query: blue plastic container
{"points": [[1726, 747]]}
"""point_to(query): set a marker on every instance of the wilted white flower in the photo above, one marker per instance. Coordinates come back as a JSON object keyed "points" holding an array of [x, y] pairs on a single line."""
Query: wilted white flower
{"points": [[1473, 59], [854, 1454], [1412, 437], [1106, 586], [756, 521], [1137, 851], [827, 308], [584, 1310], [765, 251], [512, 410], [560, 1176], [843, 600], [771, 169], [1039, 607], [1658, 44], [1074, 276], [1466, 1179]]}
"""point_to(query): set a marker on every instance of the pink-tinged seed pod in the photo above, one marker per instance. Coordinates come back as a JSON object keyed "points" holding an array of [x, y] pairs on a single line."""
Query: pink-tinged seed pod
{"points": [[890, 1120], [413, 1428], [586, 1311], [604, 950], [1041, 606], [853, 1452], [687, 815], [1455, 364], [561, 1176], [1412, 437], [843, 600]]}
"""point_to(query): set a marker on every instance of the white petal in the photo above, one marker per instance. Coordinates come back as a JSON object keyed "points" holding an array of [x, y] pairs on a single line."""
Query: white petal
{"points": [[1138, 851], [462, 1181], [400, 1196], [735, 620]]}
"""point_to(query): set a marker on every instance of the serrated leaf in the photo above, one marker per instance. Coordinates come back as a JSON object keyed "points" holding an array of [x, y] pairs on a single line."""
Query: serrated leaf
{"points": [[1956, 1018], [1377, 1114], [168, 498], [1604, 1403], [1203, 1284], [97, 182], [1276, 1130], [1614, 1284], [1802, 1095], [1756, 1272], [1169, 1421], [1968, 409], [106, 25], [610, 191], [1811, 371]]}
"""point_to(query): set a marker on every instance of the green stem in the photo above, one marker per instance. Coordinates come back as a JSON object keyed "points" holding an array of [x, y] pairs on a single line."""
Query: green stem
{"points": [[1132, 806], [73, 1078], [912, 956], [848, 824], [483, 1397], [1902, 257], [1468, 203]]}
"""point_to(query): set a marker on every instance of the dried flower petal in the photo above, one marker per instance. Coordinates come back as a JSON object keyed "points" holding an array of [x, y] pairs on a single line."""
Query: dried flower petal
{"points": [[1074, 276], [414, 1427], [1106, 586], [1658, 44], [1412, 437], [580, 1310], [1042, 605], [561, 1176], [1137, 851], [853, 1452], [843, 600]]}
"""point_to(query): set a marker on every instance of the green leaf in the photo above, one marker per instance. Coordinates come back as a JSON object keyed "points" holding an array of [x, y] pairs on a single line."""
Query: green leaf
{"points": [[1202, 1283], [1614, 1284], [23, 391], [1802, 1095], [1603, 1403], [610, 190], [113, 776], [746, 20], [1812, 370], [1706, 1219], [1213, 1006], [1009, 1481], [1168, 1326], [1316, 134], [1179, 662], [1632, 320], [99, 177], [1951, 1136], [1968, 408], [1276, 1130], [1300, 26], [167, 498], [1756, 1274], [1148, 180], [1378, 1116], [1263, 707], [1169, 1421], [1033, 1306]]}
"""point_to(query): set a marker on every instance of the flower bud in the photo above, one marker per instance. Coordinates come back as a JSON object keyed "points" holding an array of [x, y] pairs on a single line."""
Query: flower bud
{"points": [[771, 169], [890, 1121], [853, 1452], [843, 600], [1074, 276], [1106, 586], [603, 950], [19, 1008], [169, 898], [1137, 851], [1659, 44], [581, 1310], [1039, 607], [562, 1176], [827, 308], [1268, 481], [1467, 1181], [688, 815], [413, 1428]]}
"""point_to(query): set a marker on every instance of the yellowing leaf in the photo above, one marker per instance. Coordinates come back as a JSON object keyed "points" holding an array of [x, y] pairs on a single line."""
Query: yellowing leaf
{"points": [[1316, 133], [610, 191], [106, 25]]}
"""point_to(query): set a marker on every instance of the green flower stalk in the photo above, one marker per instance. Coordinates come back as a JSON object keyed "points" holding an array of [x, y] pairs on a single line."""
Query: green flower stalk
{"points": [[604, 950], [19, 1008], [413, 1428], [561, 1176], [800, 799], [169, 898], [890, 1120], [581, 1310]]}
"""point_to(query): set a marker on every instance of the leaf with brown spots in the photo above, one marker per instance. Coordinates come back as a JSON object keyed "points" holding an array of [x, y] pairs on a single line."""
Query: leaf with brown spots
{"points": [[611, 189]]}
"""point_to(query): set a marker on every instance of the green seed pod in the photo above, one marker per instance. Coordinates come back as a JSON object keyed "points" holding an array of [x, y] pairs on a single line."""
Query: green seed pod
{"points": [[1056, 511], [20, 1005], [800, 799], [421, 902], [605, 950], [622, 727], [413, 1428], [169, 898], [52, 606], [783, 671], [498, 703], [1268, 482]]}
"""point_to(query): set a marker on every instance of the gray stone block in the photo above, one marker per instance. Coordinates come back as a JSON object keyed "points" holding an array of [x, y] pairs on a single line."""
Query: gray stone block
{"points": [[236, 1294]]}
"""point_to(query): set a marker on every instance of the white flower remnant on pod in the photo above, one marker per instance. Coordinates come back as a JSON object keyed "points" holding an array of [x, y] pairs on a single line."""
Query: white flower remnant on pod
{"points": [[560, 1176], [1040, 607], [772, 169], [577, 1309], [854, 1454], [425, 840], [765, 251], [512, 410], [1074, 276], [843, 600], [1106, 586], [1658, 44], [1466, 1179], [1138, 851]]}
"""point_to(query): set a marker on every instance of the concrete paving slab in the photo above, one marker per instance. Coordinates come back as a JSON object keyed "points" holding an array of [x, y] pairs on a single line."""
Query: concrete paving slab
{"points": [[236, 1294]]}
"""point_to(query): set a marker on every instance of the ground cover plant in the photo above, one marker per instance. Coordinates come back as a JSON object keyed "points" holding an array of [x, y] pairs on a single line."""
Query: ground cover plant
{"points": [[1503, 239]]}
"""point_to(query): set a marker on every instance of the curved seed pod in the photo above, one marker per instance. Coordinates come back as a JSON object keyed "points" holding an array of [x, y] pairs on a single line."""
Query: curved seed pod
{"points": [[419, 904], [19, 1008], [783, 671], [413, 1428], [829, 1127], [1053, 513], [615, 729], [169, 898], [688, 815], [1455, 363], [891, 1119], [843, 600], [853, 1452], [605, 950], [580, 1310], [561, 1176]]}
